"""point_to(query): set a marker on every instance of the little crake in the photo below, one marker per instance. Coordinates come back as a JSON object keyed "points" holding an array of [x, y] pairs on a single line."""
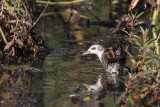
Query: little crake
{"points": [[113, 59]]}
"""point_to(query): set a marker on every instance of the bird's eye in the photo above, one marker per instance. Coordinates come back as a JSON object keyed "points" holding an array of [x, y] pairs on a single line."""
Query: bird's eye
{"points": [[93, 48]]}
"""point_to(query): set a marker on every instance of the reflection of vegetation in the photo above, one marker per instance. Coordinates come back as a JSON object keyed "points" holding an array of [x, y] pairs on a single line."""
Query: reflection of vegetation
{"points": [[61, 75], [14, 86]]}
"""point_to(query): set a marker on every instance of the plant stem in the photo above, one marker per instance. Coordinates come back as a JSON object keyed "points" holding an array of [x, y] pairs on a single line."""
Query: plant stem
{"points": [[3, 36], [154, 22]]}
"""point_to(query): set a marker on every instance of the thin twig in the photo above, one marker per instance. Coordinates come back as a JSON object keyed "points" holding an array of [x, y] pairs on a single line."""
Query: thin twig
{"points": [[27, 12], [38, 17], [2, 8], [17, 21], [3, 36]]}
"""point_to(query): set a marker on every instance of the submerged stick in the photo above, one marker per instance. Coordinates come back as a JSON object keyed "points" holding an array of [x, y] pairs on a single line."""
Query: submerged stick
{"points": [[60, 3], [3, 36]]}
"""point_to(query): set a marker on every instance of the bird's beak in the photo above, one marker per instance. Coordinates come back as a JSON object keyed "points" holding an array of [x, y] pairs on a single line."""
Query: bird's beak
{"points": [[85, 53], [87, 86]]}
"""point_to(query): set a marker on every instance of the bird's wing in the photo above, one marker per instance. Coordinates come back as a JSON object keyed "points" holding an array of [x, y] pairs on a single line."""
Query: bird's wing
{"points": [[111, 55]]}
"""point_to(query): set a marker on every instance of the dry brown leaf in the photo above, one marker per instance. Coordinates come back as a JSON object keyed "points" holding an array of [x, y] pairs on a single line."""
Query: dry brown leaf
{"points": [[19, 42], [133, 4], [8, 45], [4, 78], [19, 81]]}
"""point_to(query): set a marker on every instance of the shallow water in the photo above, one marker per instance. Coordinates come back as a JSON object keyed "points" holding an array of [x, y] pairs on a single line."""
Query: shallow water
{"points": [[53, 82]]}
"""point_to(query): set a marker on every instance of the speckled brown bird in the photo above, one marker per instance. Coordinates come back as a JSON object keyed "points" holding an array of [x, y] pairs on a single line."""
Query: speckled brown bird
{"points": [[113, 59]]}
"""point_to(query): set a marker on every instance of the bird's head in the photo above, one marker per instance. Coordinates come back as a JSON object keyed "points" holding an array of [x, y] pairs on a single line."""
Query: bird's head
{"points": [[94, 49]]}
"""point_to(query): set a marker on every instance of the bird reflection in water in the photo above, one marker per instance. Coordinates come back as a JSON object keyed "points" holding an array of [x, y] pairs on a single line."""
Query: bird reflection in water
{"points": [[108, 86], [108, 81]]}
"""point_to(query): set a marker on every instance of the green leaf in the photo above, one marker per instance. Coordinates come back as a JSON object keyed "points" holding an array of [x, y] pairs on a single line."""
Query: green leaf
{"points": [[132, 15], [144, 89], [22, 10], [133, 39], [137, 37], [13, 29], [87, 99], [139, 15], [131, 100], [9, 7], [151, 44], [146, 72], [144, 67], [12, 21], [148, 57], [139, 56], [142, 95], [155, 85], [142, 30], [137, 43], [151, 40], [158, 56], [19, 1]]}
